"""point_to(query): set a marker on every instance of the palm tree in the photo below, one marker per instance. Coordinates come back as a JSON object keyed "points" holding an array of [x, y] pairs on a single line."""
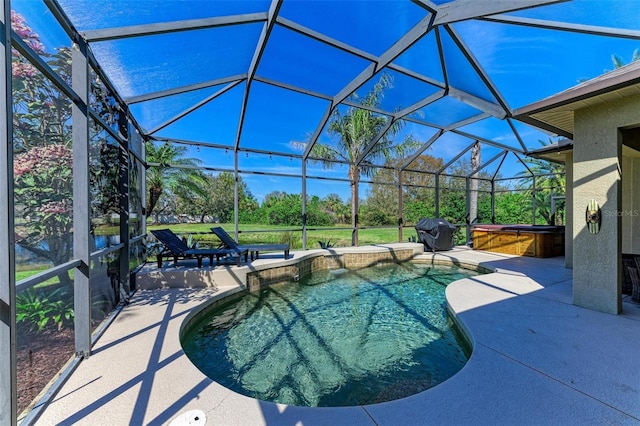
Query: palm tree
{"points": [[168, 176], [550, 181], [618, 62], [355, 130], [475, 164]]}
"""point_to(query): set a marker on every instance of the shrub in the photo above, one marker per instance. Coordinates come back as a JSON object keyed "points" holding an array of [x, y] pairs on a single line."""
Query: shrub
{"points": [[38, 310]]}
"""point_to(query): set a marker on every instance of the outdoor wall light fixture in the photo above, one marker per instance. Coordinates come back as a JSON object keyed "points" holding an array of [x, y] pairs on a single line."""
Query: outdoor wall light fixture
{"points": [[593, 217]]}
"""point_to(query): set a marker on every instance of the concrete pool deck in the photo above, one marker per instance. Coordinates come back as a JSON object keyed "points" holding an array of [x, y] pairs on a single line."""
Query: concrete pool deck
{"points": [[537, 359]]}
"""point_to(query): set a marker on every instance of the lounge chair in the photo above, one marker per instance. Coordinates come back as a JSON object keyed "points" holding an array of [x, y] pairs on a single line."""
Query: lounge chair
{"points": [[175, 248], [253, 249]]}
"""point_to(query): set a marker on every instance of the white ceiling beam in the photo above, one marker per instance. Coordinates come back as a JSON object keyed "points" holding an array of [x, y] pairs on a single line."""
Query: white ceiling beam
{"points": [[427, 4], [291, 87], [255, 60], [478, 103], [420, 104], [456, 158], [413, 35], [294, 26], [195, 107], [170, 27], [183, 89], [443, 64], [406, 41], [478, 69], [564, 26], [467, 121], [487, 141], [461, 10]]}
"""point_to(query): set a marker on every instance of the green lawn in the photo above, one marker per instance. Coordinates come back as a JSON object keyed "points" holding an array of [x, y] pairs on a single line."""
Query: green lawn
{"points": [[24, 273], [271, 234], [279, 234]]}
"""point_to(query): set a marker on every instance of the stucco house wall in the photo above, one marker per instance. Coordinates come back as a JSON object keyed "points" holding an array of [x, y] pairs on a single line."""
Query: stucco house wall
{"points": [[598, 170]]}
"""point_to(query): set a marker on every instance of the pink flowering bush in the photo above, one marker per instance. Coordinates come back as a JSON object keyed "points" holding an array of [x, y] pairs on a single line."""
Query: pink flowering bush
{"points": [[42, 141], [43, 172], [43, 185]]}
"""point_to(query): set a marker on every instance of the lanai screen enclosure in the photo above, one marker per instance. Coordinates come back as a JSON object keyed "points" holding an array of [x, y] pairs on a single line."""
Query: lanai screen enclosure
{"points": [[408, 107]]}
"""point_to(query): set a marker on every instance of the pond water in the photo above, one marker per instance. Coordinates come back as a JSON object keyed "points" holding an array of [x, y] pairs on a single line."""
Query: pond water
{"points": [[25, 256]]}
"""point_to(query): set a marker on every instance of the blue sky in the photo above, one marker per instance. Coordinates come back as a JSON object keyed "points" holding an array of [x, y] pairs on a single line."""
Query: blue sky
{"points": [[525, 64]]}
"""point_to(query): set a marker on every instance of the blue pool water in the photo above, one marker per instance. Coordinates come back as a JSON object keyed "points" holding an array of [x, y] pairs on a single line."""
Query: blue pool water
{"points": [[336, 338]]}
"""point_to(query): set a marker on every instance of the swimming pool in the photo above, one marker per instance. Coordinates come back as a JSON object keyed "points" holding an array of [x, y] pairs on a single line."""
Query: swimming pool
{"points": [[335, 338]]}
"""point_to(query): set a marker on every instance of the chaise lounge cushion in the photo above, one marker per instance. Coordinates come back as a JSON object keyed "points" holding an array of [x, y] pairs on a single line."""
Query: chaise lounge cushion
{"points": [[253, 249], [175, 248]]}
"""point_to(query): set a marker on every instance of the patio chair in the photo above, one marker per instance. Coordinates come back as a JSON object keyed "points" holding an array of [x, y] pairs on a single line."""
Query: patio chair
{"points": [[253, 249], [175, 248]]}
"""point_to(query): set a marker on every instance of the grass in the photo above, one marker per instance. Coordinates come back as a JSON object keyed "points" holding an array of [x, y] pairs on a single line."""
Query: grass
{"points": [[279, 234], [201, 233], [27, 271]]}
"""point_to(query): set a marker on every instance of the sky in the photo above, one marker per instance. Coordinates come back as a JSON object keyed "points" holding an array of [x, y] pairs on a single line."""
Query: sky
{"points": [[525, 64]]}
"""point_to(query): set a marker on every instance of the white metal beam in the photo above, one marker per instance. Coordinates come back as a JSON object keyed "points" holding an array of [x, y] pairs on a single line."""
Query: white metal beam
{"points": [[461, 10], [423, 148], [195, 107], [294, 26], [183, 89], [467, 121], [170, 27], [478, 103], [487, 141], [427, 4], [420, 104], [456, 158], [478, 69], [255, 60], [406, 41], [564, 26]]}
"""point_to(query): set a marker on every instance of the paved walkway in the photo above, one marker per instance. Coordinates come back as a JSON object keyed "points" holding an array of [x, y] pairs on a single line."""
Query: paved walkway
{"points": [[537, 359]]}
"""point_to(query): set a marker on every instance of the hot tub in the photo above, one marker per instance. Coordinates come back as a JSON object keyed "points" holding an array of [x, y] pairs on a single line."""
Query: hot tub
{"points": [[521, 240]]}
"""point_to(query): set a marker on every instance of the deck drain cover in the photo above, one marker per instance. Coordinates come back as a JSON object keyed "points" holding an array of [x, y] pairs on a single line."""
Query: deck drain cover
{"points": [[191, 418]]}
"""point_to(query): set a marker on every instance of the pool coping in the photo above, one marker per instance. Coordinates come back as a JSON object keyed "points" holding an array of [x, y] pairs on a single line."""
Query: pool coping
{"points": [[536, 359]]}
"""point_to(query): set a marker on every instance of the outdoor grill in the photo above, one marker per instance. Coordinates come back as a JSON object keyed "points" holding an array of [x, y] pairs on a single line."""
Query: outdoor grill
{"points": [[435, 233]]}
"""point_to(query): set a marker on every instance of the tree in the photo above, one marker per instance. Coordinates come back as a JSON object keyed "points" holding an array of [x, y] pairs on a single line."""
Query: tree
{"points": [[333, 205], [418, 192], [218, 198], [473, 200], [42, 141], [281, 208], [513, 207], [167, 176], [43, 178], [618, 62], [354, 131], [549, 182]]}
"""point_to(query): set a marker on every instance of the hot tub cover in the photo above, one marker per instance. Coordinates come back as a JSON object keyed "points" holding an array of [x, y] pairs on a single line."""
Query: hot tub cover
{"points": [[436, 233]]}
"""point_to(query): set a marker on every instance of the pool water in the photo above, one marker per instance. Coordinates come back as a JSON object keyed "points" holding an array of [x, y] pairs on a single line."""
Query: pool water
{"points": [[335, 338]]}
